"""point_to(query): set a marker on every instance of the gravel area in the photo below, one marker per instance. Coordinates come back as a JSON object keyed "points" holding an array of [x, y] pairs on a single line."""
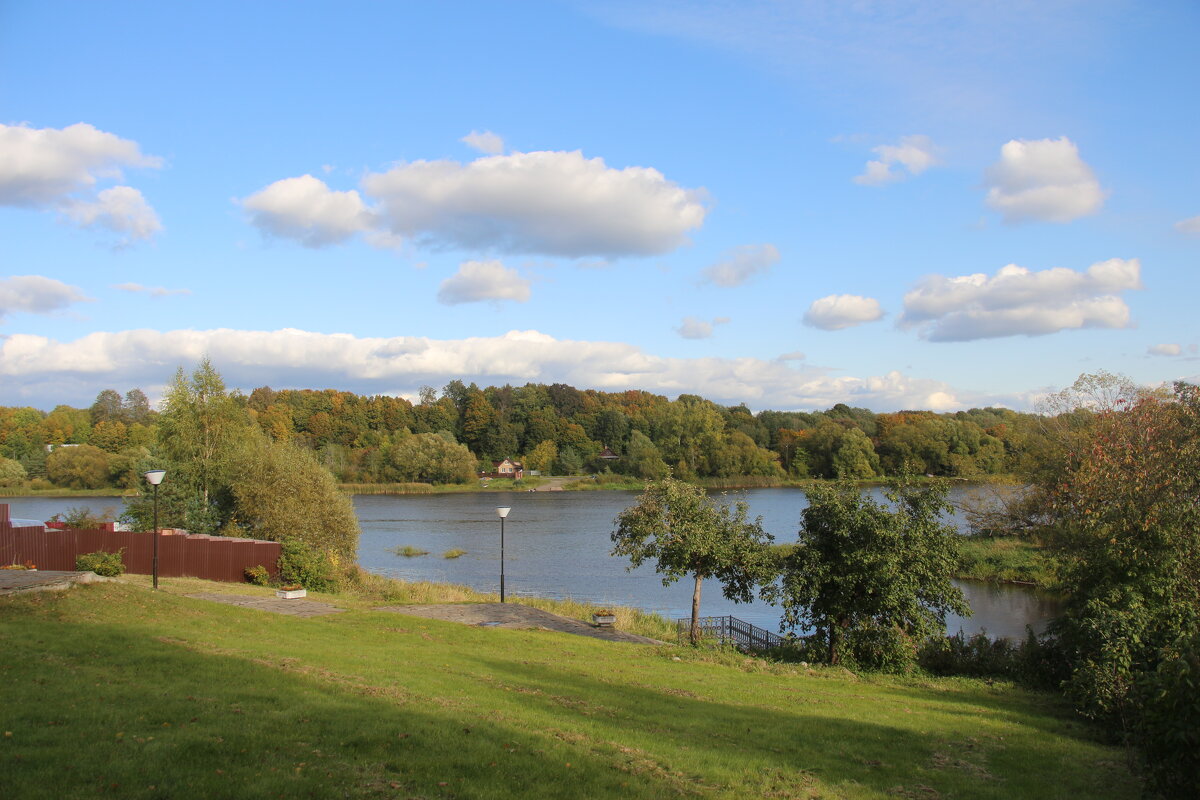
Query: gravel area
{"points": [[515, 615]]}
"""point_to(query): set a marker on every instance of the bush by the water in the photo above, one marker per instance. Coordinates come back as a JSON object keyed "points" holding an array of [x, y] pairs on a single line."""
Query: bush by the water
{"points": [[109, 565], [1035, 661]]}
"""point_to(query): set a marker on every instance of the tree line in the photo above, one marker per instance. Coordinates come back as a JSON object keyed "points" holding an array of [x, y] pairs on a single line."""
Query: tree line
{"points": [[452, 435]]}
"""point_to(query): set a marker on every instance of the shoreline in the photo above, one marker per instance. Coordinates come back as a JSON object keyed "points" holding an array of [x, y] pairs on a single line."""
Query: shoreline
{"points": [[563, 483]]}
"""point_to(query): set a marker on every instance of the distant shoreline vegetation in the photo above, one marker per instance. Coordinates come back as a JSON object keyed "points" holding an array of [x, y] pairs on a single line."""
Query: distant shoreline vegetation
{"points": [[450, 437]]}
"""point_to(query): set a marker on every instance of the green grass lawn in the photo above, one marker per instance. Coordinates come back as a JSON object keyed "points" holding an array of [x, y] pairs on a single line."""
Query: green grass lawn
{"points": [[113, 690]]}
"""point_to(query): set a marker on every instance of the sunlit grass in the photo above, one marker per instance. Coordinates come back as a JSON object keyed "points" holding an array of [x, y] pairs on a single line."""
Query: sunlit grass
{"points": [[455, 552], [115, 690]]}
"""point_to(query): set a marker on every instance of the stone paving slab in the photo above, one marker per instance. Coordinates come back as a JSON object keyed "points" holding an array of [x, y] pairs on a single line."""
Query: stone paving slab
{"points": [[517, 616], [43, 580], [298, 607]]}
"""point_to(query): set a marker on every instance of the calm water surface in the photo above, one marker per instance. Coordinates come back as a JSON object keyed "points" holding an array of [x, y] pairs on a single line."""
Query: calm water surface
{"points": [[557, 545]]}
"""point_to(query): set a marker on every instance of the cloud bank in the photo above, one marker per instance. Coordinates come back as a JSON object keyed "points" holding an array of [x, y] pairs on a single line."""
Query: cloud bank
{"points": [[42, 371], [1017, 301], [547, 203]]}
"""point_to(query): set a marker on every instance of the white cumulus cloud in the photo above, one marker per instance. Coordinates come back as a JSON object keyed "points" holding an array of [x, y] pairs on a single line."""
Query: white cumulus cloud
{"points": [[914, 153], [1165, 350], [307, 210], [1042, 180], [1189, 226], [1017, 301], [59, 169], [479, 281], [545, 203], [549, 203], [35, 294], [741, 264], [121, 209], [696, 328], [486, 142], [839, 311], [41, 371]]}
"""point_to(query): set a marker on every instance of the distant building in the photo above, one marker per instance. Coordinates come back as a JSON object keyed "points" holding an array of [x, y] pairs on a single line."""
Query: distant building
{"points": [[506, 469], [608, 455]]}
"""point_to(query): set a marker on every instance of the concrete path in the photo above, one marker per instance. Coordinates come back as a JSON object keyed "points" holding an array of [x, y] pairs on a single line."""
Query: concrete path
{"points": [[43, 580], [515, 615], [299, 607]]}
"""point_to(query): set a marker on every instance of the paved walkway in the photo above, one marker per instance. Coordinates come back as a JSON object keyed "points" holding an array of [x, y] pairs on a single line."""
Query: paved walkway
{"points": [[43, 580], [298, 607], [515, 615]]}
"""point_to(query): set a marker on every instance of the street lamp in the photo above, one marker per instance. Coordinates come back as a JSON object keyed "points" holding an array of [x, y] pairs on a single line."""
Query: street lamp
{"points": [[154, 478], [502, 512]]}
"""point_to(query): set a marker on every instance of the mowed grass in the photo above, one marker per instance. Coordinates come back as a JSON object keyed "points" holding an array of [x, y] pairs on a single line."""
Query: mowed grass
{"points": [[112, 690]]}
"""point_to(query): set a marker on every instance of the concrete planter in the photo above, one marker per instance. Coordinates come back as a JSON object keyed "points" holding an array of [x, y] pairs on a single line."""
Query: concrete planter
{"points": [[604, 620], [290, 594]]}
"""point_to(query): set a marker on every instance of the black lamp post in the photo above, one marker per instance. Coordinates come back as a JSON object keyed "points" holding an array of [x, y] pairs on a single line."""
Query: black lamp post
{"points": [[154, 478], [502, 512]]}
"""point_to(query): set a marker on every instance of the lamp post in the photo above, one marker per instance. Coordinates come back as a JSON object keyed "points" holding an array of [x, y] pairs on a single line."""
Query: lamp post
{"points": [[502, 512], [154, 478]]}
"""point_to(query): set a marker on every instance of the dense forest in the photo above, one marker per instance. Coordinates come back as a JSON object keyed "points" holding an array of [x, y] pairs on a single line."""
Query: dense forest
{"points": [[451, 435]]}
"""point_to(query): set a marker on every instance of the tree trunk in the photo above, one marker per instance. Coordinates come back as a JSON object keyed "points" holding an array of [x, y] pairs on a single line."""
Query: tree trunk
{"points": [[695, 631]]}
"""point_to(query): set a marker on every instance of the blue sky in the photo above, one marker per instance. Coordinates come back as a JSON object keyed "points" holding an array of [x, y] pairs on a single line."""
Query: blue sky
{"points": [[892, 205]]}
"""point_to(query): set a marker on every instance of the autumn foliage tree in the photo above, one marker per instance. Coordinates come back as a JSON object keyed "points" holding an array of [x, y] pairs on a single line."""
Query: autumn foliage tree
{"points": [[1124, 519]]}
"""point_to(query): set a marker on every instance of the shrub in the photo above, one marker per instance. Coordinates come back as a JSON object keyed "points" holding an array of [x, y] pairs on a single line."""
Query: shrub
{"points": [[1035, 661], [110, 565], [1169, 727], [306, 565], [259, 575]]}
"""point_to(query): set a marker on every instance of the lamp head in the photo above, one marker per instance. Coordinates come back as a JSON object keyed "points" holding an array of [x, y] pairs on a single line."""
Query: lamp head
{"points": [[154, 477], [502, 511]]}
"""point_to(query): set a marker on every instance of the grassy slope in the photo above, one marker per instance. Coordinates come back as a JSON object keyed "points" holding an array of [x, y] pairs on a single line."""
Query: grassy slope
{"points": [[111, 690]]}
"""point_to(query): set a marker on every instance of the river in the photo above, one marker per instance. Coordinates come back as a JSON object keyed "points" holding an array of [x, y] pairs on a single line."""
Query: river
{"points": [[557, 545]]}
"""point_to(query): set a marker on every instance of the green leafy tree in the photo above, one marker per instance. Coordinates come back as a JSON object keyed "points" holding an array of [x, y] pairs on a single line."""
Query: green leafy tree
{"points": [[11, 472], [430, 458], [872, 582], [79, 467], [686, 534], [200, 429], [542, 457], [282, 493]]}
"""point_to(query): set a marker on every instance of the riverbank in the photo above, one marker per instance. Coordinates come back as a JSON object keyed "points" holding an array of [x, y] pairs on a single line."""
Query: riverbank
{"points": [[568, 483], [156, 694]]}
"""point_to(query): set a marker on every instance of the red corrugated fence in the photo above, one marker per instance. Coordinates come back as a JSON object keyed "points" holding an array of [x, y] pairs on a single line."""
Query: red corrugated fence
{"points": [[216, 558]]}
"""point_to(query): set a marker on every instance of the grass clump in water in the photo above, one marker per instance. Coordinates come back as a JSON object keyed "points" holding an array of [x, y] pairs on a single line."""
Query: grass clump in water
{"points": [[455, 553], [408, 551]]}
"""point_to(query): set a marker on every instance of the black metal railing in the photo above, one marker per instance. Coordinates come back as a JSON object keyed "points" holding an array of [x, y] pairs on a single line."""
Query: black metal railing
{"points": [[731, 630]]}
